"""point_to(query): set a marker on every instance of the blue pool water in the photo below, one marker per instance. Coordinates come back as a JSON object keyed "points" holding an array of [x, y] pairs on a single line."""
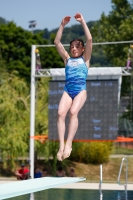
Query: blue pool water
{"points": [[76, 194]]}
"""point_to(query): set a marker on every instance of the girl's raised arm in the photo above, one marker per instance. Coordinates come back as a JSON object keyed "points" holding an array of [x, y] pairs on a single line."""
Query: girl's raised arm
{"points": [[88, 48], [60, 48]]}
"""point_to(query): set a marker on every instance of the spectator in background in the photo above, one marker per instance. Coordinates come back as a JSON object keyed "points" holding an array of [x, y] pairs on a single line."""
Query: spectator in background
{"points": [[22, 173], [130, 58], [60, 172], [37, 173], [45, 172], [72, 172]]}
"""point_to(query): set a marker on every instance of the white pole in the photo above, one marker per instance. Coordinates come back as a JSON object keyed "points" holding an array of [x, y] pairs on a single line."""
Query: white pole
{"points": [[31, 196], [100, 184], [101, 174], [32, 111]]}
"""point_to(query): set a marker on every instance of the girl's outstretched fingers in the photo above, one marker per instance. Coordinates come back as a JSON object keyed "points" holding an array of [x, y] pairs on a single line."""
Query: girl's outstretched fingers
{"points": [[77, 16], [66, 20]]}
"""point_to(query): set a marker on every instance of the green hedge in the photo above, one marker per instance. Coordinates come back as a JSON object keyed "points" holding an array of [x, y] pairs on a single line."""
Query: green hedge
{"points": [[92, 152]]}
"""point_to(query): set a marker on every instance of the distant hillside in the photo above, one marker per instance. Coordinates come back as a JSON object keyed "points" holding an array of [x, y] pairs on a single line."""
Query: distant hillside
{"points": [[98, 58], [3, 21], [69, 33]]}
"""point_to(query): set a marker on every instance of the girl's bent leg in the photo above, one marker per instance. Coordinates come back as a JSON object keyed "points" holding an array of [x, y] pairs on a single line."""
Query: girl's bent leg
{"points": [[64, 106], [77, 104]]}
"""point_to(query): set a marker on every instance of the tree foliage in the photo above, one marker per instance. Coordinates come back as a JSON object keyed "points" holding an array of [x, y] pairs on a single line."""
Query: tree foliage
{"points": [[14, 116], [117, 26], [15, 49], [93, 152]]}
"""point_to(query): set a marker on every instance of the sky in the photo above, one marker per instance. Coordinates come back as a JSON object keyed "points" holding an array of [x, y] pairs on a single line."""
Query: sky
{"points": [[49, 13]]}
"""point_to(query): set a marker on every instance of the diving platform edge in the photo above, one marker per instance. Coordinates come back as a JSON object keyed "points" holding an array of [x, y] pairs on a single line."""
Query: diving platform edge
{"points": [[18, 188]]}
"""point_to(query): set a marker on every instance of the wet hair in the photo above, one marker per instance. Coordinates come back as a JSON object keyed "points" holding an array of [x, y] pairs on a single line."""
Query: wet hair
{"points": [[80, 42]]}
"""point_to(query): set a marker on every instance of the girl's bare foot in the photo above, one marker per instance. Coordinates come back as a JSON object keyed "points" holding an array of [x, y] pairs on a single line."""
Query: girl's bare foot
{"points": [[67, 151], [60, 155]]}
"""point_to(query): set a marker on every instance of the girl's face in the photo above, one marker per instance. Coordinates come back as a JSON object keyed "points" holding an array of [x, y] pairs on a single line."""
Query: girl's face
{"points": [[76, 49]]}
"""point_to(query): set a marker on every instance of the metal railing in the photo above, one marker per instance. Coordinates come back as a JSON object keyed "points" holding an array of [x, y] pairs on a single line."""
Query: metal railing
{"points": [[126, 175], [100, 184]]}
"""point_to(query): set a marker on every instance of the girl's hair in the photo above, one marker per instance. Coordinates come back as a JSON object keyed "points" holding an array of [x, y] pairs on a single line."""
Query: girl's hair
{"points": [[81, 42]]}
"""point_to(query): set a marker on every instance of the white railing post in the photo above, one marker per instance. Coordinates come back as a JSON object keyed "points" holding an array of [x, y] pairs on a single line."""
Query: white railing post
{"points": [[32, 111], [126, 175], [100, 184]]}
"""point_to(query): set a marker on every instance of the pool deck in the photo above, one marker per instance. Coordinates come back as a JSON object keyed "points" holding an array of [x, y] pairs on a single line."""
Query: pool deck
{"points": [[82, 185], [95, 186]]}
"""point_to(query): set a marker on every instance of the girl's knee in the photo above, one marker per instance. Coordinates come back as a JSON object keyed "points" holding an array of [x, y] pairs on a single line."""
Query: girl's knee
{"points": [[73, 112], [61, 114]]}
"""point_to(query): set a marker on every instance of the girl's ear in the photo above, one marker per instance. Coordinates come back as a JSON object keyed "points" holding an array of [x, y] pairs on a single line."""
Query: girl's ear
{"points": [[83, 49]]}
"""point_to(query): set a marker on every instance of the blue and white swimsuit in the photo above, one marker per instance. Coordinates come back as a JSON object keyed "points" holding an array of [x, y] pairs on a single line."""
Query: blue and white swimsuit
{"points": [[76, 74]]}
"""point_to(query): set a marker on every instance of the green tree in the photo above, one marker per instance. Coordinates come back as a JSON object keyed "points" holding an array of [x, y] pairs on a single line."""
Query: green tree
{"points": [[117, 26], [15, 48], [92, 152], [48, 149], [14, 117], [41, 116]]}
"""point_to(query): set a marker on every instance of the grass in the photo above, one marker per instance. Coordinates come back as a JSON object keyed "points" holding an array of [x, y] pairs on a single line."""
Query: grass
{"points": [[120, 150], [110, 171]]}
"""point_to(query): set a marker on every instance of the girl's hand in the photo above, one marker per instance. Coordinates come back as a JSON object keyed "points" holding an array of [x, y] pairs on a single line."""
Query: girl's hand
{"points": [[78, 17], [65, 20]]}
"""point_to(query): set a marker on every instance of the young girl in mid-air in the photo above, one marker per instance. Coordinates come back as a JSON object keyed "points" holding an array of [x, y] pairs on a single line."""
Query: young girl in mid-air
{"points": [[74, 95]]}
